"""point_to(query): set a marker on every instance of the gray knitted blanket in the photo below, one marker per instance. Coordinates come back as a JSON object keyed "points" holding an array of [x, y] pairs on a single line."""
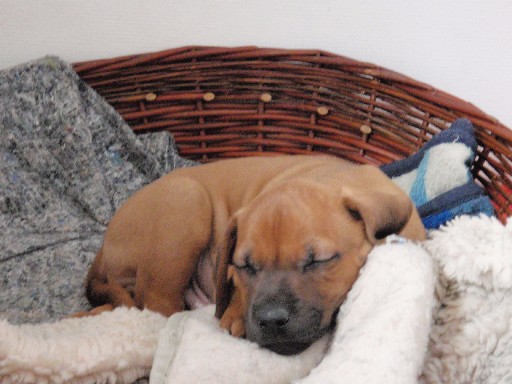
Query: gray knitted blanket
{"points": [[68, 161]]}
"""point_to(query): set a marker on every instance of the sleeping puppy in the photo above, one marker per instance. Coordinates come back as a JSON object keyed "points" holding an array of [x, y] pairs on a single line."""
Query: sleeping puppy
{"points": [[275, 242]]}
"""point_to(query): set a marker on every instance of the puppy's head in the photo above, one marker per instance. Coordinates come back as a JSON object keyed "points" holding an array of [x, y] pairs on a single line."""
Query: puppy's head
{"points": [[296, 252]]}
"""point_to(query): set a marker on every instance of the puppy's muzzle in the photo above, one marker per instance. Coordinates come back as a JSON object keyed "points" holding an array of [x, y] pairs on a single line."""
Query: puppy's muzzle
{"points": [[284, 324]]}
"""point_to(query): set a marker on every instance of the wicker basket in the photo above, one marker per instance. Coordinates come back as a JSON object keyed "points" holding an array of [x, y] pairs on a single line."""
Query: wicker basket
{"points": [[231, 102]]}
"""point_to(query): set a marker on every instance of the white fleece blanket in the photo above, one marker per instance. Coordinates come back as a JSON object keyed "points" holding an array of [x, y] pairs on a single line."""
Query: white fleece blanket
{"points": [[113, 347], [385, 332], [471, 337]]}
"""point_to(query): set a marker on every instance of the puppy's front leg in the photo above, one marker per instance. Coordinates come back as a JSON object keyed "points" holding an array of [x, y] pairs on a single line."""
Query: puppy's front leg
{"points": [[233, 318]]}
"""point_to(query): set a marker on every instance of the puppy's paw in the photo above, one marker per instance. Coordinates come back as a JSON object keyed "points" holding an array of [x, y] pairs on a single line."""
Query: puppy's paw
{"points": [[233, 322], [92, 312], [233, 318]]}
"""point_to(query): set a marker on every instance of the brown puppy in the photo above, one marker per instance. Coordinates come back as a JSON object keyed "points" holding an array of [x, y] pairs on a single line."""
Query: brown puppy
{"points": [[287, 235]]}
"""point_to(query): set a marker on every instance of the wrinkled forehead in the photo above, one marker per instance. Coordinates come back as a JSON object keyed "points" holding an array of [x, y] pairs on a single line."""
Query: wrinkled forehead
{"points": [[298, 200], [283, 228], [287, 212]]}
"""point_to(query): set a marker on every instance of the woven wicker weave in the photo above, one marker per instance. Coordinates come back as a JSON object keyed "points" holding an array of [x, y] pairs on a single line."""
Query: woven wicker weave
{"points": [[231, 102]]}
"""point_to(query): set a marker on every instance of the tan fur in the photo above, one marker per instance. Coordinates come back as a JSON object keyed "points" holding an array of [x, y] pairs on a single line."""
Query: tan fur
{"points": [[273, 208]]}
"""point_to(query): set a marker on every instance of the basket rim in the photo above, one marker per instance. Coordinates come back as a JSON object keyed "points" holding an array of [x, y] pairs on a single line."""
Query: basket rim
{"points": [[417, 88]]}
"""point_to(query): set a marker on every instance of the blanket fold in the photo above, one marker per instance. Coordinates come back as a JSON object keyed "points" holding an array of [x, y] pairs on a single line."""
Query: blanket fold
{"points": [[113, 347]]}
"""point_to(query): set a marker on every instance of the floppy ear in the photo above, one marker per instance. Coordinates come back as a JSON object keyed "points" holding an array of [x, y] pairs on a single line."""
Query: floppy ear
{"points": [[224, 285], [383, 213]]}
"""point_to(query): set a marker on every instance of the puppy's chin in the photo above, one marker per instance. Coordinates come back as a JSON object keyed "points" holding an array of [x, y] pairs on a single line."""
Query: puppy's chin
{"points": [[289, 345], [287, 349]]}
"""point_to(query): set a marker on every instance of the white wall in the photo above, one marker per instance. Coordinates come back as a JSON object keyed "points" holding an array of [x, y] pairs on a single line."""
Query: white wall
{"points": [[461, 46]]}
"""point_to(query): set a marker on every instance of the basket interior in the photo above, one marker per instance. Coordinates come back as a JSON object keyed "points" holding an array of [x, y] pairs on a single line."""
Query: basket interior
{"points": [[231, 102]]}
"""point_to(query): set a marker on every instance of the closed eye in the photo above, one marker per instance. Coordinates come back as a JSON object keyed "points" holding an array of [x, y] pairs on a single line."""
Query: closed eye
{"points": [[312, 262], [249, 267]]}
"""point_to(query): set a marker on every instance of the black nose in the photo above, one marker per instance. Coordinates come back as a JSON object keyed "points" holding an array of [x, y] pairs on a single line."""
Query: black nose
{"points": [[272, 317]]}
